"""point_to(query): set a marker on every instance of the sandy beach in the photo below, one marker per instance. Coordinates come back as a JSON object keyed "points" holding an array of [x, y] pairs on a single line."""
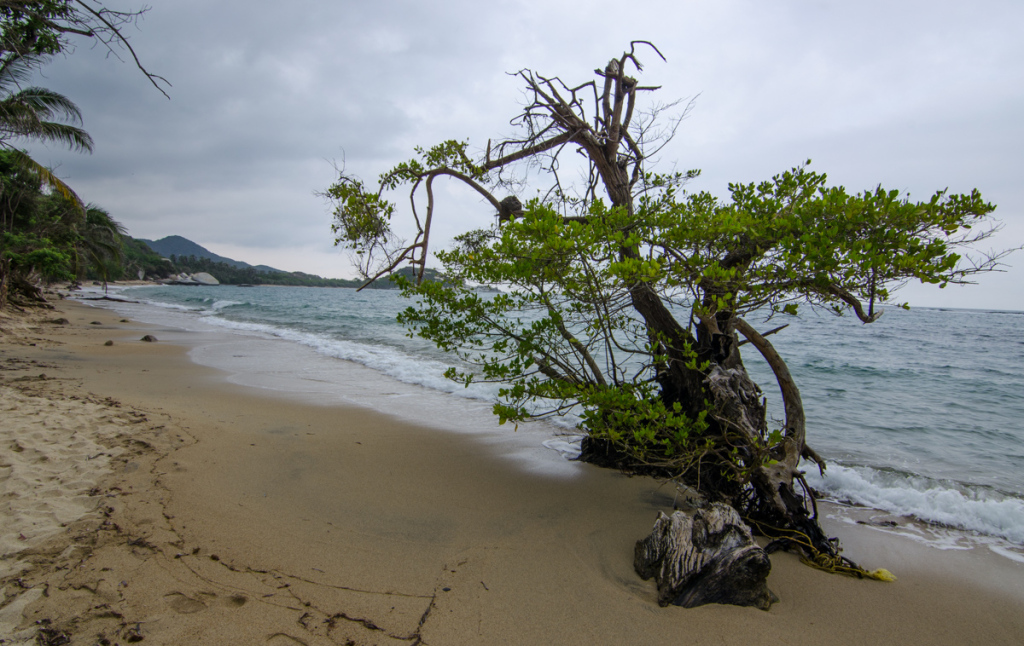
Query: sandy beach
{"points": [[145, 498]]}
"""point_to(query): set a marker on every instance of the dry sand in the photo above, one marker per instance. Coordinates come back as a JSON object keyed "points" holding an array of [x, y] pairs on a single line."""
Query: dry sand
{"points": [[144, 498]]}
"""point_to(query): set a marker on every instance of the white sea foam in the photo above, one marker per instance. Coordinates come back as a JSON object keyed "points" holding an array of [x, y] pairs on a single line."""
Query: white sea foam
{"points": [[568, 446], [219, 305], [174, 307], [974, 509], [405, 367], [1002, 551]]}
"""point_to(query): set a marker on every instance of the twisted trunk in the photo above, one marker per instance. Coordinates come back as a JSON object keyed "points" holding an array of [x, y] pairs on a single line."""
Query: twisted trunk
{"points": [[5, 280], [704, 556]]}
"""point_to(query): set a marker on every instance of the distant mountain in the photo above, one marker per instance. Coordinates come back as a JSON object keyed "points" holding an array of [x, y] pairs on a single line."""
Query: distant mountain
{"points": [[191, 258], [183, 247]]}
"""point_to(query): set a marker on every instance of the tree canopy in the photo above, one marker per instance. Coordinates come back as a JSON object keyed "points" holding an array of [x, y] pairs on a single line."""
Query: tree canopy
{"points": [[46, 234], [627, 297]]}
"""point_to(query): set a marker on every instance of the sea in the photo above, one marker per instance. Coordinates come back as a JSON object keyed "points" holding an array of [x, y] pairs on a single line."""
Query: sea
{"points": [[919, 415]]}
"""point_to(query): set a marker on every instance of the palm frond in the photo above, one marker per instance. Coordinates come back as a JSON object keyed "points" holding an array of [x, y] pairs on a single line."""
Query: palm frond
{"points": [[15, 69], [100, 240], [35, 112], [99, 218], [47, 176], [70, 136], [47, 104]]}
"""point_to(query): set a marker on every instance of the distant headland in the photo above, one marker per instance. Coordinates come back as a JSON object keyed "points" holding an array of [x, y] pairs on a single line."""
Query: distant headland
{"points": [[167, 259]]}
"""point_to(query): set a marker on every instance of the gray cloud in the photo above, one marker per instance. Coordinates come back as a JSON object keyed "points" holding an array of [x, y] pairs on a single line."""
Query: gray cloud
{"points": [[915, 95]]}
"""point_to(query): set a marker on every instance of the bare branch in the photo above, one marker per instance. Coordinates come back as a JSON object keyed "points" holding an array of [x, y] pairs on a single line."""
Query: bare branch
{"points": [[529, 151], [102, 15]]}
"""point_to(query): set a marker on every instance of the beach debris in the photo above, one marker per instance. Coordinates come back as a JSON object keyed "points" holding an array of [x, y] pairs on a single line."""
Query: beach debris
{"points": [[706, 555], [96, 323], [106, 298], [48, 636], [58, 321], [830, 561], [109, 343], [133, 635], [149, 338], [879, 523]]}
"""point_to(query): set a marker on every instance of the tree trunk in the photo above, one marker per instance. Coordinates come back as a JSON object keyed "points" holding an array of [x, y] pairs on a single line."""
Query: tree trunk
{"points": [[737, 403], [704, 556], [5, 280]]}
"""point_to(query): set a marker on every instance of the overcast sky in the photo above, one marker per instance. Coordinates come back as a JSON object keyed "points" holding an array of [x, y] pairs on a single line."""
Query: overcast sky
{"points": [[916, 96]]}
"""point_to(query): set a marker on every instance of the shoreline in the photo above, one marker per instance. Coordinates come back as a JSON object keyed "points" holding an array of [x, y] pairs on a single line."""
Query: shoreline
{"points": [[407, 382], [225, 514]]}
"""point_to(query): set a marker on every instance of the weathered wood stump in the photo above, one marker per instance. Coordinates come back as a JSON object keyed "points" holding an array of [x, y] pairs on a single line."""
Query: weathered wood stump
{"points": [[704, 556]]}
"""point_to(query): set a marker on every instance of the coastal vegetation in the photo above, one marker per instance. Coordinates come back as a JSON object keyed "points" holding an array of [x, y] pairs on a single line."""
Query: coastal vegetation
{"points": [[630, 299], [46, 231], [47, 234]]}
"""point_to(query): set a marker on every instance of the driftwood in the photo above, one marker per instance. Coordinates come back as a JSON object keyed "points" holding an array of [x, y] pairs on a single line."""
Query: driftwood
{"points": [[704, 556], [108, 298]]}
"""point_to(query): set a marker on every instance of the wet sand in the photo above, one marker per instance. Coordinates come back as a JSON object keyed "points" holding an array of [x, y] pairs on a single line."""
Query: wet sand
{"points": [[211, 513]]}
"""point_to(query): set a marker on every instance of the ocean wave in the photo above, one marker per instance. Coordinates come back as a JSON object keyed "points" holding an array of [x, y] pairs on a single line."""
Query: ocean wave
{"points": [[220, 305], [965, 507], [176, 307], [403, 366]]}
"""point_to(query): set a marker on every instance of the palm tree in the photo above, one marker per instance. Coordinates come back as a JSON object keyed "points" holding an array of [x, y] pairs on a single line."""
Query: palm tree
{"points": [[99, 243], [37, 113], [29, 111]]}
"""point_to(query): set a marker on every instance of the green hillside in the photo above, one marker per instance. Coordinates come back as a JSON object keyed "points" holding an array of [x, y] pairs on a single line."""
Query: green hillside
{"points": [[176, 255], [183, 247]]}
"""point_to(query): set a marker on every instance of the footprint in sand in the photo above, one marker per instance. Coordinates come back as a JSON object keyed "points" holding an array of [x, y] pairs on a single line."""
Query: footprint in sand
{"points": [[236, 600], [187, 605], [184, 605]]}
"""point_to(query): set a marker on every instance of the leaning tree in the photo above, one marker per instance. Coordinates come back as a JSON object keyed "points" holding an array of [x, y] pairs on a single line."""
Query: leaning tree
{"points": [[627, 300]]}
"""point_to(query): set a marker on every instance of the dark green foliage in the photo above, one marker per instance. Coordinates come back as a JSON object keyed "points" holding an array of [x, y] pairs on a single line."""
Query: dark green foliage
{"points": [[38, 231], [29, 27], [44, 234], [567, 335], [138, 257]]}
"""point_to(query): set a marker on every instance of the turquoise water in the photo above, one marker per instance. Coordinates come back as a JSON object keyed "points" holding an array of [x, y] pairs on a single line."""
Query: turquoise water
{"points": [[920, 413]]}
